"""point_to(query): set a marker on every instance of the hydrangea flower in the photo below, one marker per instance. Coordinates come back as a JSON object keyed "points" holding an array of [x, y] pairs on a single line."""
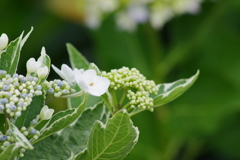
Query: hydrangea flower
{"points": [[46, 113], [33, 65], [90, 82], [42, 72], [3, 42], [65, 73]]}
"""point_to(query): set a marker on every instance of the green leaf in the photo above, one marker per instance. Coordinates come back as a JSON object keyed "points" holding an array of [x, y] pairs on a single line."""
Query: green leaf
{"points": [[77, 60], [19, 137], [170, 91], [10, 152], [9, 59], [31, 112], [60, 120], [112, 141], [72, 139], [95, 67], [75, 101]]}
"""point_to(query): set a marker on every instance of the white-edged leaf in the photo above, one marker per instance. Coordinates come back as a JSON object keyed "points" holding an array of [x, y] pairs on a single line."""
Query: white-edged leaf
{"points": [[10, 57], [19, 137], [60, 121], [10, 152], [112, 141], [26, 37], [95, 67], [31, 112], [72, 139], [170, 91]]}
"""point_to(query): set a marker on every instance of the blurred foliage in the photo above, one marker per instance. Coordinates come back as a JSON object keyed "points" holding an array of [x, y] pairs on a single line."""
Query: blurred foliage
{"points": [[204, 123]]}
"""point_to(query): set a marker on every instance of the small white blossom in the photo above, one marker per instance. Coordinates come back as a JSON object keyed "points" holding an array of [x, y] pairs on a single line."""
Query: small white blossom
{"points": [[138, 13], [125, 22], [42, 72], [3, 42], [33, 65], [46, 113], [91, 83], [65, 73]]}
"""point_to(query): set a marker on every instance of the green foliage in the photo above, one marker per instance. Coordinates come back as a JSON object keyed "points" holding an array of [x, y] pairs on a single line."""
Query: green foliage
{"points": [[112, 141], [19, 137], [77, 61], [30, 113], [10, 152], [60, 120], [71, 139], [75, 133], [76, 58], [10, 58], [170, 91]]}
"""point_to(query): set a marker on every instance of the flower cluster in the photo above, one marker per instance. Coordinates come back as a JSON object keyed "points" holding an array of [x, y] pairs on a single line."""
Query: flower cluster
{"points": [[29, 132], [16, 93], [137, 86], [87, 80], [58, 88], [140, 99], [130, 78], [35, 67], [128, 14]]}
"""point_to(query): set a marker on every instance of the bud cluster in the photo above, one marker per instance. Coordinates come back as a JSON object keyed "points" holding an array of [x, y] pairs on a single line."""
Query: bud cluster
{"points": [[137, 86], [140, 99], [5, 139], [130, 78], [58, 88], [16, 93], [30, 133]]}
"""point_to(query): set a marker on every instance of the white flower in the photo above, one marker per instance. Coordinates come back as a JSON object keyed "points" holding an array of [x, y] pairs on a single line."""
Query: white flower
{"points": [[46, 113], [138, 13], [91, 83], [3, 41], [42, 72], [160, 15], [107, 5], [65, 73], [124, 22], [33, 65]]}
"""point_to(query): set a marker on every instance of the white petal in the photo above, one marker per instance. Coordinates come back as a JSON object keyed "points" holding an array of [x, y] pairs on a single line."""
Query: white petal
{"points": [[68, 73], [42, 72], [58, 72], [32, 65], [78, 74], [100, 87], [3, 41], [89, 76]]}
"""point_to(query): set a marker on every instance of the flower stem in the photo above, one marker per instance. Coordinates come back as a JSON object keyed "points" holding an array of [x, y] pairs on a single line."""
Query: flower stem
{"points": [[73, 95], [136, 112], [115, 102], [122, 98], [126, 105], [107, 99]]}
